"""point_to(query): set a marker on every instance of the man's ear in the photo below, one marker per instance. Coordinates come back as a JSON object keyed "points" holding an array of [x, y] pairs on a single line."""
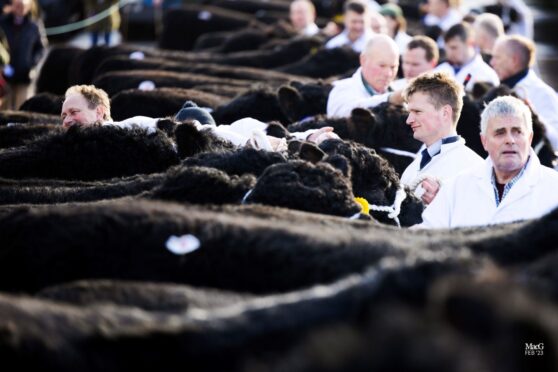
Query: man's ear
{"points": [[530, 138], [448, 112], [100, 112], [362, 59], [483, 140]]}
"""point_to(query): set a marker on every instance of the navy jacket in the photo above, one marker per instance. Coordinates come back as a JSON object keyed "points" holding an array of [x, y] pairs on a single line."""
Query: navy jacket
{"points": [[26, 46]]}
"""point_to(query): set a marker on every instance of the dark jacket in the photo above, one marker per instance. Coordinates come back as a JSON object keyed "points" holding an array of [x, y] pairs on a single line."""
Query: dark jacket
{"points": [[108, 24], [26, 43]]}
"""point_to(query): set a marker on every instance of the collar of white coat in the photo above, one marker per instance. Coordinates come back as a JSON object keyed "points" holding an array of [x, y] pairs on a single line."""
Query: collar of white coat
{"points": [[445, 147], [530, 177], [358, 77]]}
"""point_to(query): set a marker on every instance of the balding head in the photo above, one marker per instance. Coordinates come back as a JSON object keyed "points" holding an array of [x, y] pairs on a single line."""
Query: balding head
{"points": [[379, 44], [302, 13], [512, 54], [379, 62]]}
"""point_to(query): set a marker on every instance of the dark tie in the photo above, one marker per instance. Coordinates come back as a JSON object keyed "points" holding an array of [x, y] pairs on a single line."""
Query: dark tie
{"points": [[425, 158]]}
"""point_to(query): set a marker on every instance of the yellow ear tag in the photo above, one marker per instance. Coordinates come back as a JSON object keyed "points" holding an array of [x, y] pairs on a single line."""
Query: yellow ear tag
{"points": [[364, 208]]}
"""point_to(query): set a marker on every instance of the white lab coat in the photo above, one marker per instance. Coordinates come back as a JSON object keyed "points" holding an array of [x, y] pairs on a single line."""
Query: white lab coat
{"points": [[143, 122], [544, 102], [480, 72], [453, 158], [402, 39], [342, 39], [469, 199], [350, 93]]}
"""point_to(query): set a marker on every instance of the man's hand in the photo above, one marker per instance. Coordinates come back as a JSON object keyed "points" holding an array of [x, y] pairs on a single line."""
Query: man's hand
{"points": [[396, 97], [431, 187], [322, 134]]}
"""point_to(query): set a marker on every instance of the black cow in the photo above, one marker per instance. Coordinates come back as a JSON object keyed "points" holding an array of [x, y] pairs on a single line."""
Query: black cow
{"points": [[383, 129], [200, 19], [160, 102], [90, 153]]}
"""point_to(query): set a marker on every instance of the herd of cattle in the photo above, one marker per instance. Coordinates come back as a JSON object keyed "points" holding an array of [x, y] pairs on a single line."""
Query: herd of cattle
{"points": [[124, 250]]}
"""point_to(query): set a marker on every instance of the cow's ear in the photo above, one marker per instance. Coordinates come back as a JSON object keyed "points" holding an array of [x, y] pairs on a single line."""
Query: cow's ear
{"points": [[362, 115], [291, 102], [296, 84], [340, 162], [276, 129], [167, 126], [294, 147], [311, 152], [189, 140], [362, 121]]}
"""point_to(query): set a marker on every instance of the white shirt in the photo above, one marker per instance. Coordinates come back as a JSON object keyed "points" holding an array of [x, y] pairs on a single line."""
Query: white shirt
{"points": [[402, 39], [544, 102], [469, 199], [453, 159], [342, 39], [480, 72], [245, 129], [350, 93], [144, 122], [525, 24], [453, 17], [399, 84], [238, 132], [310, 30]]}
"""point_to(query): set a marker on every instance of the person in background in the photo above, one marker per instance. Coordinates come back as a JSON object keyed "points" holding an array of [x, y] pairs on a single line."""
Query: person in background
{"points": [[441, 15], [378, 23], [510, 185], [370, 84], [106, 25], [396, 25], [512, 59], [357, 32], [487, 28], [4, 61], [302, 14], [516, 16], [421, 55], [464, 64], [26, 43]]}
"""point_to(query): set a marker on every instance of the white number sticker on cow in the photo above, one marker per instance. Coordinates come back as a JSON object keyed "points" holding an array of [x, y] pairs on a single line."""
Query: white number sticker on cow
{"points": [[182, 244], [204, 15]]}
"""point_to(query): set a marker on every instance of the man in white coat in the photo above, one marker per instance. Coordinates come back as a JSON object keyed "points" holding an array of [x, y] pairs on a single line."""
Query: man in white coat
{"points": [[358, 29], [464, 63], [369, 85], [512, 59], [302, 14], [421, 56], [511, 185], [434, 101]]}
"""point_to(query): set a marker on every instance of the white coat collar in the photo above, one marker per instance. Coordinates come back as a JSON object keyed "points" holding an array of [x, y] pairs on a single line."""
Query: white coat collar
{"points": [[528, 180]]}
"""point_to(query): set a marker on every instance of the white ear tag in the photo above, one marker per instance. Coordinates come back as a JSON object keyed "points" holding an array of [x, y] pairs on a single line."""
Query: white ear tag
{"points": [[182, 244]]}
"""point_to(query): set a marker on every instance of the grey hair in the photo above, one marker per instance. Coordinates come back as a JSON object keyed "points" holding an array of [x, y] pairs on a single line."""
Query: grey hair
{"points": [[506, 106]]}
